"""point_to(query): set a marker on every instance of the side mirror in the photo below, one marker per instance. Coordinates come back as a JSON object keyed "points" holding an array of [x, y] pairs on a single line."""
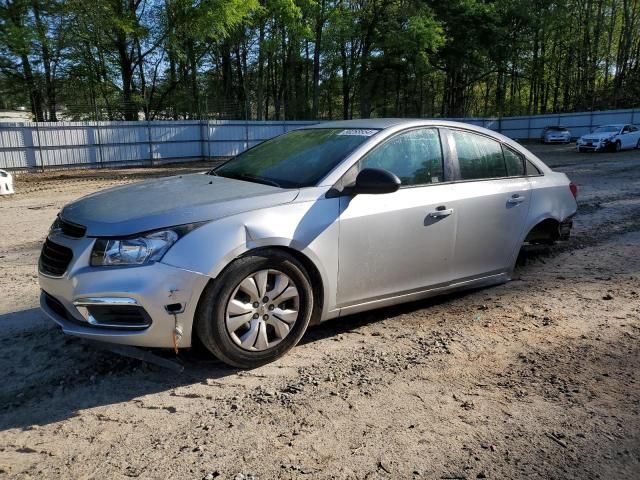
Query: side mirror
{"points": [[374, 181]]}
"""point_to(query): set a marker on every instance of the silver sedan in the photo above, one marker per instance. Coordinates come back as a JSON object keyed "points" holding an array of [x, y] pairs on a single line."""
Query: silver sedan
{"points": [[322, 222]]}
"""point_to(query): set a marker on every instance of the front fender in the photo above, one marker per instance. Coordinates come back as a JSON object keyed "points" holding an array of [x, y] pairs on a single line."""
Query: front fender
{"points": [[309, 227]]}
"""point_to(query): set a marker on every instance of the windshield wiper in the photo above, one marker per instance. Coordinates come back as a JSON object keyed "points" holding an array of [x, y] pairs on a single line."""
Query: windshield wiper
{"points": [[253, 178]]}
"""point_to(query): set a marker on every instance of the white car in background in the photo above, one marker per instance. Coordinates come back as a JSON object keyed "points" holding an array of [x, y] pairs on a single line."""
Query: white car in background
{"points": [[614, 137], [555, 134]]}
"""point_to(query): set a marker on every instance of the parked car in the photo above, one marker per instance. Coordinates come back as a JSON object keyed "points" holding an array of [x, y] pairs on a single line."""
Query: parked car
{"points": [[321, 222], [555, 134], [6, 183], [610, 137]]}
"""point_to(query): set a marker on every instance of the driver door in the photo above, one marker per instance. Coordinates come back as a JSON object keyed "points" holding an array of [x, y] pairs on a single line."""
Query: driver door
{"points": [[400, 242]]}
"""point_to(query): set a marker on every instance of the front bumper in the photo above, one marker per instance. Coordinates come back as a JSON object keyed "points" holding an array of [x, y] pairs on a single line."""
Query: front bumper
{"points": [[594, 147], [150, 288]]}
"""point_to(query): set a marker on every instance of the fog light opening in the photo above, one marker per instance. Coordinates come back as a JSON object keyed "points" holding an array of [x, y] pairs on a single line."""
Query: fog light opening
{"points": [[174, 308]]}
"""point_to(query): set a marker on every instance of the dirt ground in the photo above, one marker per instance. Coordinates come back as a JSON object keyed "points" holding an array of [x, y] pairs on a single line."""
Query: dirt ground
{"points": [[535, 378]]}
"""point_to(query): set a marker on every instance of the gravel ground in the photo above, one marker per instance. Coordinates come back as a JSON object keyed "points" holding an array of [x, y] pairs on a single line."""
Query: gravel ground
{"points": [[534, 378]]}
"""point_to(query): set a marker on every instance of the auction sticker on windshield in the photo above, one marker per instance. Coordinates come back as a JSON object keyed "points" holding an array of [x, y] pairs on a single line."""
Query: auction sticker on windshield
{"points": [[358, 132]]}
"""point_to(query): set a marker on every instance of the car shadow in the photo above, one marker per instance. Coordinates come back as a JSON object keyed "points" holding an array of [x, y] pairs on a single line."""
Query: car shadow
{"points": [[48, 376]]}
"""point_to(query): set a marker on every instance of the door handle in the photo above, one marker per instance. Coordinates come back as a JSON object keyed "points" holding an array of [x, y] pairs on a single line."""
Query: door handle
{"points": [[515, 200], [441, 213]]}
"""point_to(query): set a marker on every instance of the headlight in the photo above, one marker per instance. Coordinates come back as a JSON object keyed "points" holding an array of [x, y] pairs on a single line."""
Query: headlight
{"points": [[144, 248]]}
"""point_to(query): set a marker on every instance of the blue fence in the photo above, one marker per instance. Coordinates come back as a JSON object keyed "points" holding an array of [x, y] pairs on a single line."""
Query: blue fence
{"points": [[530, 127], [94, 144]]}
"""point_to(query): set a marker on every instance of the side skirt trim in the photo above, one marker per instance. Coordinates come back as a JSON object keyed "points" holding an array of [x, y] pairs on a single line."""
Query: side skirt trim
{"points": [[431, 292]]}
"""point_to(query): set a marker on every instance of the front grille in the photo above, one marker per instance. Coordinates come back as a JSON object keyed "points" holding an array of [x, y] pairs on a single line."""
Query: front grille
{"points": [[54, 259], [71, 229]]}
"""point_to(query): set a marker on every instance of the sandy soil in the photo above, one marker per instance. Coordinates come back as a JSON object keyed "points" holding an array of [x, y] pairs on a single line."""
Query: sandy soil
{"points": [[535, 378]]}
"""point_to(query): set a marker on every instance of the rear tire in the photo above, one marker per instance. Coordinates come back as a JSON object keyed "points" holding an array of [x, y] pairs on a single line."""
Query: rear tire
{"points": [[273, 337]]}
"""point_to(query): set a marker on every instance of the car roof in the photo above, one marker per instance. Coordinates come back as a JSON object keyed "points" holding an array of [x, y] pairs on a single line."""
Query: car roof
{"points": [[377, 123], [401, 123], [386, 123], [617, 125]]}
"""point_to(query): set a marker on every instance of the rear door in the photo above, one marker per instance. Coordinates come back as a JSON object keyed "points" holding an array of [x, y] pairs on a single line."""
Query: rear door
{"points": [[403, 241], [492, 198]]}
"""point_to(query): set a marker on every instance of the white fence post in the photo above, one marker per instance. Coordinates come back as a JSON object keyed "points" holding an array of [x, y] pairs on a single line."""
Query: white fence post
{"points": [[151, 162], [39, 151], [98, 129]]}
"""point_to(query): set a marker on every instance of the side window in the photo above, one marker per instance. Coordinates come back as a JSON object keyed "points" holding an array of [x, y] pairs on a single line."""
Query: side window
{"points": [[532, 170], [514, 162], [626, 129], [633, 129], [478, 156], [415, 157]]}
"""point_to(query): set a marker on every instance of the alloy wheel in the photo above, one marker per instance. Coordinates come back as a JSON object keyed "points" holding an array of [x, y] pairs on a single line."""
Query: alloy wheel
{"points": [[262, 310]]}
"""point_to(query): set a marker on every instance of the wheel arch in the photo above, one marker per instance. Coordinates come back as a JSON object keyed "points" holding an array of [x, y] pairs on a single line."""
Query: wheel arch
{"points": [[545, 230], [311, 268], [317, 282]]}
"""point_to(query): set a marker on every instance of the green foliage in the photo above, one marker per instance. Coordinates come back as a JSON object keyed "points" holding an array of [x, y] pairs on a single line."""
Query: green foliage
{"points": [[132, 59]]}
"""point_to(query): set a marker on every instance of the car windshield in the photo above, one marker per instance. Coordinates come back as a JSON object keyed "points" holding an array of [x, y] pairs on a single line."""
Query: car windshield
{"points": [[606, 129], [297, 159], [556, 129]]}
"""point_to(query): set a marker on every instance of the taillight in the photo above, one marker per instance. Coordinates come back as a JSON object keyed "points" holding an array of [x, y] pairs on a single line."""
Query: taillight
{"points": [[574, 190]]}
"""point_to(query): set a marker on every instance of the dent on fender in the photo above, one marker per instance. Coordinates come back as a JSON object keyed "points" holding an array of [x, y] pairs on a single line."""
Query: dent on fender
{"points": [[210, 248]]}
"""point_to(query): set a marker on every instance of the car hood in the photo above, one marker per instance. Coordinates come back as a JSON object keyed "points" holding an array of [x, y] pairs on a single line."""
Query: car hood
{"points": [[170, 201], [596, 137]]}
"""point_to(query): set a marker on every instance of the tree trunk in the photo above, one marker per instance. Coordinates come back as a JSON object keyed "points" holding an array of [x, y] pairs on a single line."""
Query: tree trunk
{"points": [[50, 89], [316, 60], [260, 86], [346, 87], [35, 96]]}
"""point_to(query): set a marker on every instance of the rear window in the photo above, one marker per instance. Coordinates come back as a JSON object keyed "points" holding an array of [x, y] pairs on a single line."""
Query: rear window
{"points": [[514, 162], [478, 156], [532, 170]]}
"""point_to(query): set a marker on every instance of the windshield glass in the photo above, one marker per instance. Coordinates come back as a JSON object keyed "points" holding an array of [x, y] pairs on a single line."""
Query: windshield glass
{"points": [[556, 129], [606, 129], [296, 159]]}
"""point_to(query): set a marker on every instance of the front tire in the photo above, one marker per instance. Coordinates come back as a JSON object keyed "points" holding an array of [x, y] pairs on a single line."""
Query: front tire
{"points": [[256, 310], [618, 146]]}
